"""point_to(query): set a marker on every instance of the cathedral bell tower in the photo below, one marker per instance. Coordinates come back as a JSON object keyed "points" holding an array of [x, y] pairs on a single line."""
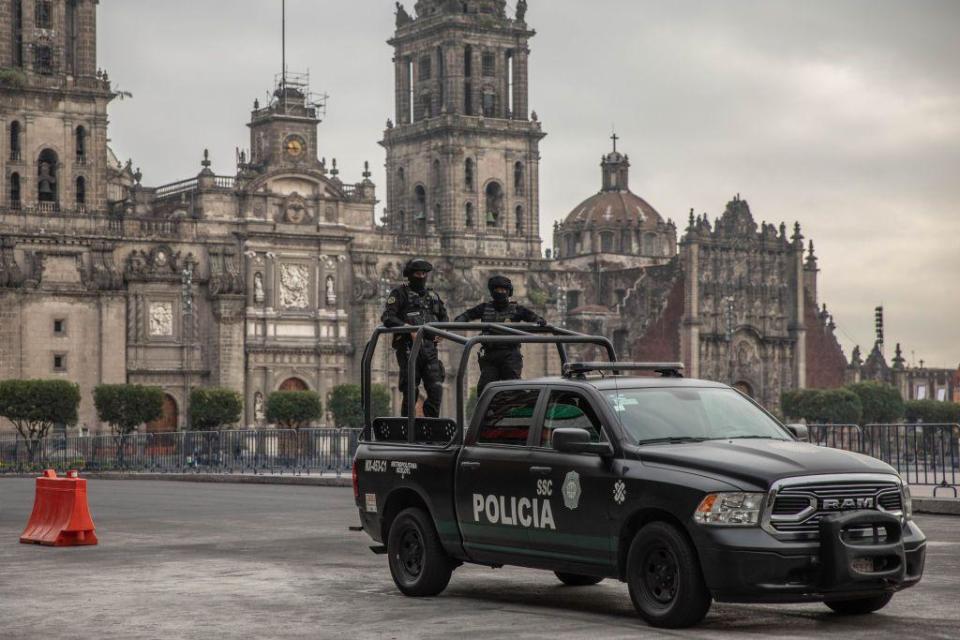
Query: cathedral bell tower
{"points": [[53, 152], [463, 150]]}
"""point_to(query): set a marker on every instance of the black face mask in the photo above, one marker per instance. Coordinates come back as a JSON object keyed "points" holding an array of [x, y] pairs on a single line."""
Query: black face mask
{"points": [[501, 297], [418, 284]]}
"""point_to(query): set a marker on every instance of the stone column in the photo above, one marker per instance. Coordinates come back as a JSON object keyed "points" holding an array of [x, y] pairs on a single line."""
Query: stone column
{"points": [[229, 313], [521, 84], [690, 327]]}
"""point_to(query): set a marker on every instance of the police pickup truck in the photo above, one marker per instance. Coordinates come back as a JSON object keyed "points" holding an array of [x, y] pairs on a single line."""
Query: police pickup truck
{"points": [[685, 489]]}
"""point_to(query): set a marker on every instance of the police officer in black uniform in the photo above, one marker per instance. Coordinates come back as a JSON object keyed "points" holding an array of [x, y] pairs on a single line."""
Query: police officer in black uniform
{"points": [[500, 361], [415, 304]]}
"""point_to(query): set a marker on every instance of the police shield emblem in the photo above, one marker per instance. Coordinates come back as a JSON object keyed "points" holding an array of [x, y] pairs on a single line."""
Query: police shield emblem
{"points": [[571, 490]]}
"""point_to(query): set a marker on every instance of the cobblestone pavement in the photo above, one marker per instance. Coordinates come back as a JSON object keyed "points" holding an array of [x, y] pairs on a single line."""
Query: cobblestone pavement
{"points": [[184, 560]]}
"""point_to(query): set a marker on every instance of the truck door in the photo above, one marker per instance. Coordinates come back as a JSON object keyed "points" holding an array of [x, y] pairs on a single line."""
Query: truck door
{"points": [[583, 485], [494, 491]]}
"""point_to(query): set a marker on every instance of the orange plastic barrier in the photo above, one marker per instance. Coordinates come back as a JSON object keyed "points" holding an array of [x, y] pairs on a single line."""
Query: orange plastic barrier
{"points": [[61, 517]]}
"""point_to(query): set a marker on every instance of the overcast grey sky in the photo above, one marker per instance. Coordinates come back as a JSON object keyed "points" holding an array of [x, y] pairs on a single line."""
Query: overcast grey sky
{"points": [[842, 114]]}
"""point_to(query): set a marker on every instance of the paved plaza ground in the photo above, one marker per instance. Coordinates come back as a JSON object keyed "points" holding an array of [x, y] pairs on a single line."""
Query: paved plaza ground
{"points": [[185, 560]]}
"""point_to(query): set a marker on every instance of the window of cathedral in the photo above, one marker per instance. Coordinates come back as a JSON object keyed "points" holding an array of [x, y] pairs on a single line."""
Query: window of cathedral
{"points": [[402, 215], [468, 174], [18, 33], [81, 144], [489, 65], [606, 242], [518, 178], [468, 98], [426, 106], [43, 60], [469, 214], [421, 195], [402, 181], [81, 191], [59, 362], [436, 213], [519, 220], [15, 141], [573, 300], [14, 191], [649, 244], [468, 61], [44, 14], [425, 68], [47, 176], [59, 327], [489, 103], [571, 246], [494, 193]]}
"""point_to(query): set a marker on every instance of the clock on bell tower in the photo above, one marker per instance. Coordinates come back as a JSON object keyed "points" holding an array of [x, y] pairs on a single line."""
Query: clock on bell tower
{"points": [[285, 131]]}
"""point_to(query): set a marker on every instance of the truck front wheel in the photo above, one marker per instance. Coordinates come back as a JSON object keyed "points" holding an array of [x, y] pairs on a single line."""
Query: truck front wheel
{"points": [[418, 563], [860, 606], [664, 577]]}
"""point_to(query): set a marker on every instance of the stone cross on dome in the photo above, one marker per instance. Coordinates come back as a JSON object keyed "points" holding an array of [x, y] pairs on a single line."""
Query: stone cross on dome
{"points": [[614, 137]]}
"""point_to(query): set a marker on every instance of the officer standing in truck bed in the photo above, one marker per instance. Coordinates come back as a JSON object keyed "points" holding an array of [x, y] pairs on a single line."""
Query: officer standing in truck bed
{"points": [[500, 361], [415, 304]]}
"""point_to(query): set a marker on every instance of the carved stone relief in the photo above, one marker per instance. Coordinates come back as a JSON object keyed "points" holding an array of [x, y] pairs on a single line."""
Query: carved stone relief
{"points": [[161, 319], [294, 286]]}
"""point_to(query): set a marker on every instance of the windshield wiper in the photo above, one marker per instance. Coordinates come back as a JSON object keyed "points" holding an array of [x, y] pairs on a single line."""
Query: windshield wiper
{"points": [[746, 438], [672, 440]]}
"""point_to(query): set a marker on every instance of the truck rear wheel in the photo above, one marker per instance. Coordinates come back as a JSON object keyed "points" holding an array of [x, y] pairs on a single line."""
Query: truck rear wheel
{"points": [[577, 580], [418, 563], [664, 577], [860, 606]]}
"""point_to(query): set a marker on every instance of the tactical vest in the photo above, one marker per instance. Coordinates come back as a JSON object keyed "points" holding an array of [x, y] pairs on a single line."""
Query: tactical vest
{"points": [[492, 314], [421, 308]]}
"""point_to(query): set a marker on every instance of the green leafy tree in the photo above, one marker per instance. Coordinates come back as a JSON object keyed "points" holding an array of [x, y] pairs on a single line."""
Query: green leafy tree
{"points": [[881, 402], [790, 404], [36, 406], [293, 409], [125, 407], [822, 406], [932, 412], [346, 404], [212, 408]]}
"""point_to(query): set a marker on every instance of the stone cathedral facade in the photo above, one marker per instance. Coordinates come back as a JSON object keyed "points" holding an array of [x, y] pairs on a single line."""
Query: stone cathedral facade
{"points": [[273, 275]]}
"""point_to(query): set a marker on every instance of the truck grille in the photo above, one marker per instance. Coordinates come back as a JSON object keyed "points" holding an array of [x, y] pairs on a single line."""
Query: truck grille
{"points": [[798, 508]]}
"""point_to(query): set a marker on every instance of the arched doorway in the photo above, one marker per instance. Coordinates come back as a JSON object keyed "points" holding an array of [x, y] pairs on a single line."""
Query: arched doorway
{"points": [[744, 388], [294, 384], [167, 422]]}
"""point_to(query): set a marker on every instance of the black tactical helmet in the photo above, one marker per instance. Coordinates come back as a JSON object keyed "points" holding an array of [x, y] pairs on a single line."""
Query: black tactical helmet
{"points": [[416, 264], [497, 282]]}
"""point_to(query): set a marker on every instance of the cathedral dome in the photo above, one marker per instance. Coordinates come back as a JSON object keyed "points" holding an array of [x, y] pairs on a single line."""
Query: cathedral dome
{"points": [[614, 221]]}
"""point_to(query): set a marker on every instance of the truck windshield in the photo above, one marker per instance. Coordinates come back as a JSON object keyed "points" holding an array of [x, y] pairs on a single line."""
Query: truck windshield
{"points": [[690, 414]]}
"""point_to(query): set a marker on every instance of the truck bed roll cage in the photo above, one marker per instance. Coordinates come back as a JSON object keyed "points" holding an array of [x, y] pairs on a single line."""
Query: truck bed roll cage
{"points": [[497, 333]]}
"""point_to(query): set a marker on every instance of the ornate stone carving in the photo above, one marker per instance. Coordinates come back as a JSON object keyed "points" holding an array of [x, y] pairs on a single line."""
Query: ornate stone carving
{"points": [[259, 295], [159, 263], [295, 209], [161, 319], [10, 273], [225, 275], [259, 410], [103, 274], [294, 286]]}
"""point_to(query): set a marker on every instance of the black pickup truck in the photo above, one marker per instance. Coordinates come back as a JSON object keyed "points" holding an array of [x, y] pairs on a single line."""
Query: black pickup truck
{"points": [[685, 489]]}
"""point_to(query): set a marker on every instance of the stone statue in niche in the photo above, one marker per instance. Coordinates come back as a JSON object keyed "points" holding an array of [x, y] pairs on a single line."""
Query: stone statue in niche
{"points": [[294, 284], [258, 293], [331, 291], [161, 319], [259, 413]]}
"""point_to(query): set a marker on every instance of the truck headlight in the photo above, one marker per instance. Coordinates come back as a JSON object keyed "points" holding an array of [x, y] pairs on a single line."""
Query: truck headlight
{"points": [[730, 509], [907, 502]]}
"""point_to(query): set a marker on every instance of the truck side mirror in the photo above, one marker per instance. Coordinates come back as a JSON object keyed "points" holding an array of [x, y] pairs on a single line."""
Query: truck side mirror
{"points": [[572, 440], [800, 432]]}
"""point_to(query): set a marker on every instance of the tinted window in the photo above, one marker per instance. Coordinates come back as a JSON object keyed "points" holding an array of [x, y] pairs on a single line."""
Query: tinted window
{"points": [[567, 409], [508, 418], [675, 412]]}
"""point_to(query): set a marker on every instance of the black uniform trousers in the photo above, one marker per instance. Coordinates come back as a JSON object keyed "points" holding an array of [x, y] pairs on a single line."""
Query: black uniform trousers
{"points": [[499, 364], [429, 370]]}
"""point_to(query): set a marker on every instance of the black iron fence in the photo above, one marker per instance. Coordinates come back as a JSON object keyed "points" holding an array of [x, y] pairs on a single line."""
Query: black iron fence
{"points": [[306, 451], [923, 454]]}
